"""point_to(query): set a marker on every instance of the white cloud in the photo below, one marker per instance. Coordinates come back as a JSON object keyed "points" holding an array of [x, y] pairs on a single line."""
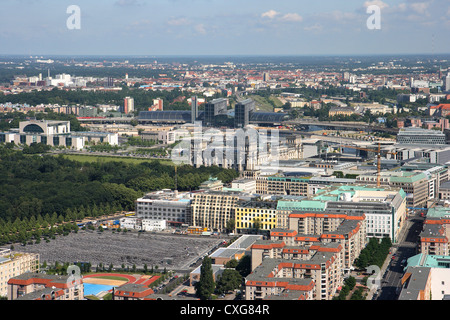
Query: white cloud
{"points": [[126, 3], [420, 7], [378, 3], [292, 17], [270, 14], [314, 28], [178, 22], [200, 28]]}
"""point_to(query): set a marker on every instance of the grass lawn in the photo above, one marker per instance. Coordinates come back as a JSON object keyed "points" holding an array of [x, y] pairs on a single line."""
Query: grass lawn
{"points": [[95, 158], [264, 104]]}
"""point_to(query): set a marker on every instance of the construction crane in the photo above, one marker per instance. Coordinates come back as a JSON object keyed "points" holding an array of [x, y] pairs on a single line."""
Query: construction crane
{"points": [[378, 152]]}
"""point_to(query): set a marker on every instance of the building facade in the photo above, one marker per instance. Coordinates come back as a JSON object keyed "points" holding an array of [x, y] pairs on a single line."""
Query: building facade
{"points": [[13, 264]]}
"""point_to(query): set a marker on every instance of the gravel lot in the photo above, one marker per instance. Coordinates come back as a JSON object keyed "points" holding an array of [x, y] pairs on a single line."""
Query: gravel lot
{"points": [[173, 252]]}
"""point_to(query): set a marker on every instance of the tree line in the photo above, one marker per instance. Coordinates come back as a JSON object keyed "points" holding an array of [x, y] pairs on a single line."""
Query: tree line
{"points": [[35, 185]]}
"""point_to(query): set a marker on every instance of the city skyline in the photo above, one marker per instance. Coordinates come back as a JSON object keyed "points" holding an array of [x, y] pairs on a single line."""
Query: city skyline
{"points": [[201, 27]]}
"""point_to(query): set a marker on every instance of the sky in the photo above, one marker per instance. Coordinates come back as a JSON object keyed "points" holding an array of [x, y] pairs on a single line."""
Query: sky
{"points": [[224, 27]]}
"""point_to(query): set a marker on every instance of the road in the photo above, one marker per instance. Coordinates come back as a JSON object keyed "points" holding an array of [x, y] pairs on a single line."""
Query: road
{"points": [[404, 249]]}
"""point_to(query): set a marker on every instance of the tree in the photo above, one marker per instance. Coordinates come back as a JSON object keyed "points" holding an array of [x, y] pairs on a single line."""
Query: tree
{"points": [[229, 281], [231, 264], [204, 288], [230, 225], [350, 282], [244, 266]]}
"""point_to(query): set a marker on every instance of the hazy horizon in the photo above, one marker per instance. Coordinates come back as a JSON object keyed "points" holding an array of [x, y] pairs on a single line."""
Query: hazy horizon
{"points": [[223, 28]]}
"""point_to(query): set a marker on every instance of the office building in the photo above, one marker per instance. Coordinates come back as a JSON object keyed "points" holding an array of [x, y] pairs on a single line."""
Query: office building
{"points": [[446, 83], [242, 113], [164, 205], [244, 185], [420, 136], [414, 184], [109, 82], [384, 208], [214, 108], [194, 109], [433, 154], [55, 133]]}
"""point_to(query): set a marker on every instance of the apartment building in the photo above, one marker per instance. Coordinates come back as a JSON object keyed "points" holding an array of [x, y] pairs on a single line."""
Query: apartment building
{"points": [[40, 286], [13, 264], [132, 291], [426, 278], [347, 230], [416, 284], [435, 235], [213, 209], [316, 271], [261, 215]]}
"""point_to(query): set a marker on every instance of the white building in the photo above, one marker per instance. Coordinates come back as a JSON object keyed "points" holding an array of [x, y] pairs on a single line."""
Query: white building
{"points": [[131, 223], [246, 185], [153, 225], [164, 205], [55, 133]]}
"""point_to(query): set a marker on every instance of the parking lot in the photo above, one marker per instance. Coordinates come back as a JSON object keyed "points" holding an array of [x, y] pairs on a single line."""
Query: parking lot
{"points": [[174, 252]]}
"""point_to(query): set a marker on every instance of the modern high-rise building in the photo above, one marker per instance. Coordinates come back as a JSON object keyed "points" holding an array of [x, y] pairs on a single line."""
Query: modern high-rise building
{"points": [[158, 104], [214, 108], [242, 113], [194, 109], [446, 83], [128, 105], [110, 82]]}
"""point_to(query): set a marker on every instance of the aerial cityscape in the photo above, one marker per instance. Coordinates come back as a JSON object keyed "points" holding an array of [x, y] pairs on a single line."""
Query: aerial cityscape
{"points": [[302, 155]]}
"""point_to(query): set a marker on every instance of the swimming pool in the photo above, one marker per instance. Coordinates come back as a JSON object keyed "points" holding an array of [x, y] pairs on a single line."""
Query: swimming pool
{"points": [[94, 289]]}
